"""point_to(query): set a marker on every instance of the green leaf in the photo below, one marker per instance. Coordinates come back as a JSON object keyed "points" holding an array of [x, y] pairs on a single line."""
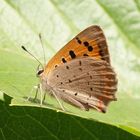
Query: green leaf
{"points": [[38, 123], [58, 22]]}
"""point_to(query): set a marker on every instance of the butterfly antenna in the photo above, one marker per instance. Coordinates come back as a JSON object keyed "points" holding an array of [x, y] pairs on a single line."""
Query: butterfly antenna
{"points": [[40, 37], [32, 55]]}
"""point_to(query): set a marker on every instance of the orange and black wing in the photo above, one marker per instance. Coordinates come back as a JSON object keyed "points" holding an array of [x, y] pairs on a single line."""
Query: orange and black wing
{"points": [[90, 42]]}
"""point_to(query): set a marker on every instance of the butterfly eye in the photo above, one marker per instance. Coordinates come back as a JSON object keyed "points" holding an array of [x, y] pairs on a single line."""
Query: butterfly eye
{"points": [[39, 72]]}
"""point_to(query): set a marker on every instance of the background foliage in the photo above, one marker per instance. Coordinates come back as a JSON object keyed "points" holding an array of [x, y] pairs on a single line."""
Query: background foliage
{"points": [[58, 22]]}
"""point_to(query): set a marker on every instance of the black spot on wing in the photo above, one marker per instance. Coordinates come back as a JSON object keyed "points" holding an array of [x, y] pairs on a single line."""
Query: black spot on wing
{"points": [[72, 54], [67, 67], [86, 43], [85, 54], [101, 53], [90, 48], [63, 60], [103, 58], [78, 40], [80, 63]]}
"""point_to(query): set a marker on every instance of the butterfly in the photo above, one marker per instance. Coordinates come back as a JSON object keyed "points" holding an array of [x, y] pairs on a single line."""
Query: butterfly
{"points": [[81, 73]]}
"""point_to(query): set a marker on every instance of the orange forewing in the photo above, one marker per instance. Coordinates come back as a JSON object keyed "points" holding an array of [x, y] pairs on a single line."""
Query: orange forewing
{"points": [[90, 42]]}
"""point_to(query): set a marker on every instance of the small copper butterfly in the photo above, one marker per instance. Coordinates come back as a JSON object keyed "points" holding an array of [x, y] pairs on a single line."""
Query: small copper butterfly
{"points": [[81, 73]]}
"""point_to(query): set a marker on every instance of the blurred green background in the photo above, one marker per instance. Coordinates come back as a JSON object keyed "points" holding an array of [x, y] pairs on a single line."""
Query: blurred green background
{"points": [[59, 21]]}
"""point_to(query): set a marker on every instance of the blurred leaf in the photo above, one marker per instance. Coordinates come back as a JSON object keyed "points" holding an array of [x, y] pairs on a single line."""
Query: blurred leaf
{"points": [[58, 22]]}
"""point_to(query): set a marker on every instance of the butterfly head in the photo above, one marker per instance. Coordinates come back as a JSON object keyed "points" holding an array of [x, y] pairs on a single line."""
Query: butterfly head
{"points": [[40, 70]]}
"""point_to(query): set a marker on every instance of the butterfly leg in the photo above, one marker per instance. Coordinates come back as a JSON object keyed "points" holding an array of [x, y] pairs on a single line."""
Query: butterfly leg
{"points": [[44, 97], [28, 98], [41, 94], [37, 88], [62, 107]]}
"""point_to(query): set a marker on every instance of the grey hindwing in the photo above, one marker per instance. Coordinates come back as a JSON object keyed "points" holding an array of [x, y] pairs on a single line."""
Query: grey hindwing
{"points": [[84, 82]]}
